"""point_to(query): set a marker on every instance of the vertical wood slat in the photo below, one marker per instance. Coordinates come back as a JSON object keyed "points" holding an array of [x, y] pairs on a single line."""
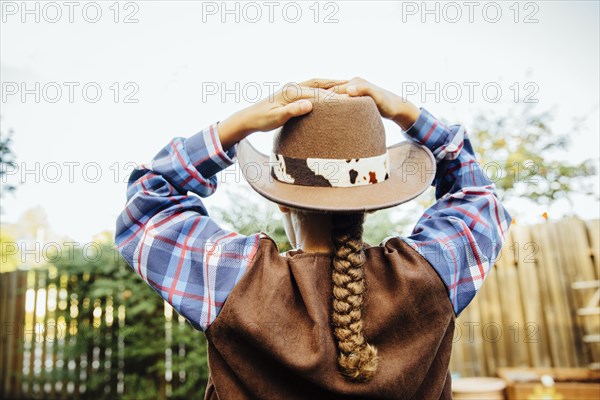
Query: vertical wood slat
{"points": [[593, 230], [89, 356], [43, 274], [12, 350], [64, 285], [114, 343], [168, 354], [53, 330], [13, 286], [18, 336], [580, 267], [179, 350], [9, 353], [508, 311], [579, 253], [75, 324], [121, 346], [470, 341], [512, 310], [5, 343], [571, 268], [529, 282], [488, 304], [102, 346], [32, 335], [556, 309]]}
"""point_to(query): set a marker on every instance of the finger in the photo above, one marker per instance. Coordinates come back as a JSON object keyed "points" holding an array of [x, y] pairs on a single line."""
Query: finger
{"points": [[361, 90], [323, 83], [340, 89], [296, 109], [364, 89], [294, 92]]}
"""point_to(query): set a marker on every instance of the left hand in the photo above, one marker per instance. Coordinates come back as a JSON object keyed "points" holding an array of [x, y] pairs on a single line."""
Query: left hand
{"points": [[390, 105]]}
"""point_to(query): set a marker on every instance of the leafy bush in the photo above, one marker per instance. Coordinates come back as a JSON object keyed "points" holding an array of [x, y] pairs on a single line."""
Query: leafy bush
{"points": [[122, 343]]}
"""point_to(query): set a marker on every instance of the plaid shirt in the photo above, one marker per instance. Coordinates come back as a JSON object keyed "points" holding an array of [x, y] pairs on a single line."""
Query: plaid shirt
{"points": [[166, 235], [462, 233]]}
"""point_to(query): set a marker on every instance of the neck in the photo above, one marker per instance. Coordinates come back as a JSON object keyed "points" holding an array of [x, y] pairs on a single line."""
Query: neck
{"points": [[313, 233]]}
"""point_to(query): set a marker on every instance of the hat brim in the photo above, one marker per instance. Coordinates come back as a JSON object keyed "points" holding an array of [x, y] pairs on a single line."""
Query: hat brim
{"points": [[412, 172]]}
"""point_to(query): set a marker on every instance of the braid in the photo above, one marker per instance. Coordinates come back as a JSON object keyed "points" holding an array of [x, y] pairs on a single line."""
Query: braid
{"points": [[356, 358]]}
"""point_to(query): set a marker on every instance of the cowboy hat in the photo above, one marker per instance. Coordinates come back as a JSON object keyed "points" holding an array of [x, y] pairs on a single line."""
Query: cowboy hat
{"points": [[335, 159]]}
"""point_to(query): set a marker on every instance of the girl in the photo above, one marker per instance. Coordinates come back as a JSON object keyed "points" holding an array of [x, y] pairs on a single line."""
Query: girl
{"points": [[302, 325]]}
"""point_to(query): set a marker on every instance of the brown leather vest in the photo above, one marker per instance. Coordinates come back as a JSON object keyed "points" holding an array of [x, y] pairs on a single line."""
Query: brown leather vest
{"points": [[272, 339]]}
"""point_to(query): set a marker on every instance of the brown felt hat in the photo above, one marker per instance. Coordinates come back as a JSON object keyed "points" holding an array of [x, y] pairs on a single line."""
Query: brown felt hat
{"points": [[335, 159]]}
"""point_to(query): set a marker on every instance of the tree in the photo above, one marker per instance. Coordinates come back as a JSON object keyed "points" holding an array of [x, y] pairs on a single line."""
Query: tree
{"points": [[257, 214], [254, 215], [520, 153], [132, 347], [7, 162]]}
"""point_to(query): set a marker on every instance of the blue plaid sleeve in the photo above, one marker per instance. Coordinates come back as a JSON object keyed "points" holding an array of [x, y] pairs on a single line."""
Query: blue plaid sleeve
{"points": [[166, 235], [462, 233]]}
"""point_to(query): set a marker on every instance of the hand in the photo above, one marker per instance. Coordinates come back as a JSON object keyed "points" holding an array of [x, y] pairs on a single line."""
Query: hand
{"points": [[390, 105], [274, 111]]}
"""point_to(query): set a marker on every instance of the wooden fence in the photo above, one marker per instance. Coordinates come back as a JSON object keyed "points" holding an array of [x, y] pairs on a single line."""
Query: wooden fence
{"points": [[60, 344], [526, 315]]}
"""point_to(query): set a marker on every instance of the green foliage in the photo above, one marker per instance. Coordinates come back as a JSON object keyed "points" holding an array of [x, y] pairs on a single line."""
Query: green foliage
{"points": [[98, 277], [10, 259], [254, 215], [7, 161], [520, 153], [385, 223], [257, 214]]}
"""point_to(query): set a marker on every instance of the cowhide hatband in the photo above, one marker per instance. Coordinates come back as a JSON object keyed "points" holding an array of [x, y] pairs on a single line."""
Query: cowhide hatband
{"points": [[330, 171]]}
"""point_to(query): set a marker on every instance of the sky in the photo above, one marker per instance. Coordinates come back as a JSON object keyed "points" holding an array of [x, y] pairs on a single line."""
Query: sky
{"points": [[92, 88]]}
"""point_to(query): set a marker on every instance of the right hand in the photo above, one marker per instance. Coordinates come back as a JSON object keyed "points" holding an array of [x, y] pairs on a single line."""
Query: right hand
{"points": [[390, 105]]}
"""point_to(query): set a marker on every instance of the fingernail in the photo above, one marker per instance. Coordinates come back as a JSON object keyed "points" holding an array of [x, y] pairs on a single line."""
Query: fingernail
{"points": [[351, 90]]}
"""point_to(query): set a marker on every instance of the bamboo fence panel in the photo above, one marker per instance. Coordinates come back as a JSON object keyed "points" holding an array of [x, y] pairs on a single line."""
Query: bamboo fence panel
{"points": [[525, 315]]}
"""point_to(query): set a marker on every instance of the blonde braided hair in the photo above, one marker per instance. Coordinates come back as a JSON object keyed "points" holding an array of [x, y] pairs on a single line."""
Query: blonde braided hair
{"points": [[357, 359]]}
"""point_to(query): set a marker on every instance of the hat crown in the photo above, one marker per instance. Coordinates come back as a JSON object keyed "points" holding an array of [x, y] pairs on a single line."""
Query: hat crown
{"points": [[338, 127]]}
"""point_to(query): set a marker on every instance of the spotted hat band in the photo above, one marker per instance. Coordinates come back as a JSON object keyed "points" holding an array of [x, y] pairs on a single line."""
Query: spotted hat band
{"points": [[330, 171]]}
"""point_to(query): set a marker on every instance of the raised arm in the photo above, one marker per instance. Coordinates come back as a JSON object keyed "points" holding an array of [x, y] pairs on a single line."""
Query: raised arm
{"points": [[166, 235], [165, 232], [462, 233]]}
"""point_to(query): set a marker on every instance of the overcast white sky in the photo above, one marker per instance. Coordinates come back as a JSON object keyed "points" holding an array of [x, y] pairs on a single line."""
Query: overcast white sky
{"points": [[177, 52]]}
